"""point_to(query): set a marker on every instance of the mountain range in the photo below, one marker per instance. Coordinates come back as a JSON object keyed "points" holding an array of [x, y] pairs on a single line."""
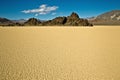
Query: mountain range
{"points": [[107, 18], [72, 20]]}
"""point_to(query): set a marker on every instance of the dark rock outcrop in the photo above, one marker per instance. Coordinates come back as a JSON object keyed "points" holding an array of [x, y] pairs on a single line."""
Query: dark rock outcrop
{"points": [[72, 20], [32, 22], [57, 21]]}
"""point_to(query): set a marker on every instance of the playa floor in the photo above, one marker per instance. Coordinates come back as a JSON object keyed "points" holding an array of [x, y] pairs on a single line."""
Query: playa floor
{"points": [[60, 53]]}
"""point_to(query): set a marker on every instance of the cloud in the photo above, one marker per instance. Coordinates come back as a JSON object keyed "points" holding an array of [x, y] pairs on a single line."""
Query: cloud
{"points": [[36, 14], [42, 10]]}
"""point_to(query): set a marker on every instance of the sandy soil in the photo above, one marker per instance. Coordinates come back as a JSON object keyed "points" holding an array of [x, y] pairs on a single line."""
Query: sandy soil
{"points": [[60, 53]]}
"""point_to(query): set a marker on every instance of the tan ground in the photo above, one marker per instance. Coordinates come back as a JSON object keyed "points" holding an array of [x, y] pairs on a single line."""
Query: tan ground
{"points": [[57, 53]]}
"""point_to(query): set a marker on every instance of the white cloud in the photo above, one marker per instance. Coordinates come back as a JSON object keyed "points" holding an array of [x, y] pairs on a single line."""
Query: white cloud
{"points": [[36, 14], [43, 9]]}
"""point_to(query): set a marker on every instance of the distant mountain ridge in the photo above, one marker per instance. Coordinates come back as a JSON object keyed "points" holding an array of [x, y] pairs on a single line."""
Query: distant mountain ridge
{"points": [[108, 18], [5, 21], [112, 15], [72, 20], [22, 21]]}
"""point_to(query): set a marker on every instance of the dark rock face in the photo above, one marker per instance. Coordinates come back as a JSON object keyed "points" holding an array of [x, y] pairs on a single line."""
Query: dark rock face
{"points": [[32, 22], [74, 16], [57, 21], [72, 20]]}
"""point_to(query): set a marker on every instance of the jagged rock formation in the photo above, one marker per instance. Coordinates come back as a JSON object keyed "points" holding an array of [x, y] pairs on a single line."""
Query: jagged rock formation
{"points": [[72, 20], [32, 22], [57, 21]]}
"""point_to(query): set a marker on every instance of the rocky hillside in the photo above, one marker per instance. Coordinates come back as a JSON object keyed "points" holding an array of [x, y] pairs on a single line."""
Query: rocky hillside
{"points": [[72, 20], [108, 18], [57, 21], [32, 22]]}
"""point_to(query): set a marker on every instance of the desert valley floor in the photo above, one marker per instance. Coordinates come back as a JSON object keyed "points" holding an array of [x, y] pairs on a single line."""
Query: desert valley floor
{"points": [[60, 53]]}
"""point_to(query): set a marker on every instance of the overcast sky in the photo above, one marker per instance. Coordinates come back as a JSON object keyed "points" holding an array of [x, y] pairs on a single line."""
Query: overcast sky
{"points": [[49, 9]]}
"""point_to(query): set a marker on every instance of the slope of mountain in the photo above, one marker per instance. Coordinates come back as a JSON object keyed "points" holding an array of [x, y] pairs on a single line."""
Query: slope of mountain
{"points": [[72, 20], [56, 21], [108, 18], [32, 22], [5, 21], [112, 15]]}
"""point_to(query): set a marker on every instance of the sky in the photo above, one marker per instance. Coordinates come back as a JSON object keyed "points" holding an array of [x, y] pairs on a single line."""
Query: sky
{"points": [[49, 9]]}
